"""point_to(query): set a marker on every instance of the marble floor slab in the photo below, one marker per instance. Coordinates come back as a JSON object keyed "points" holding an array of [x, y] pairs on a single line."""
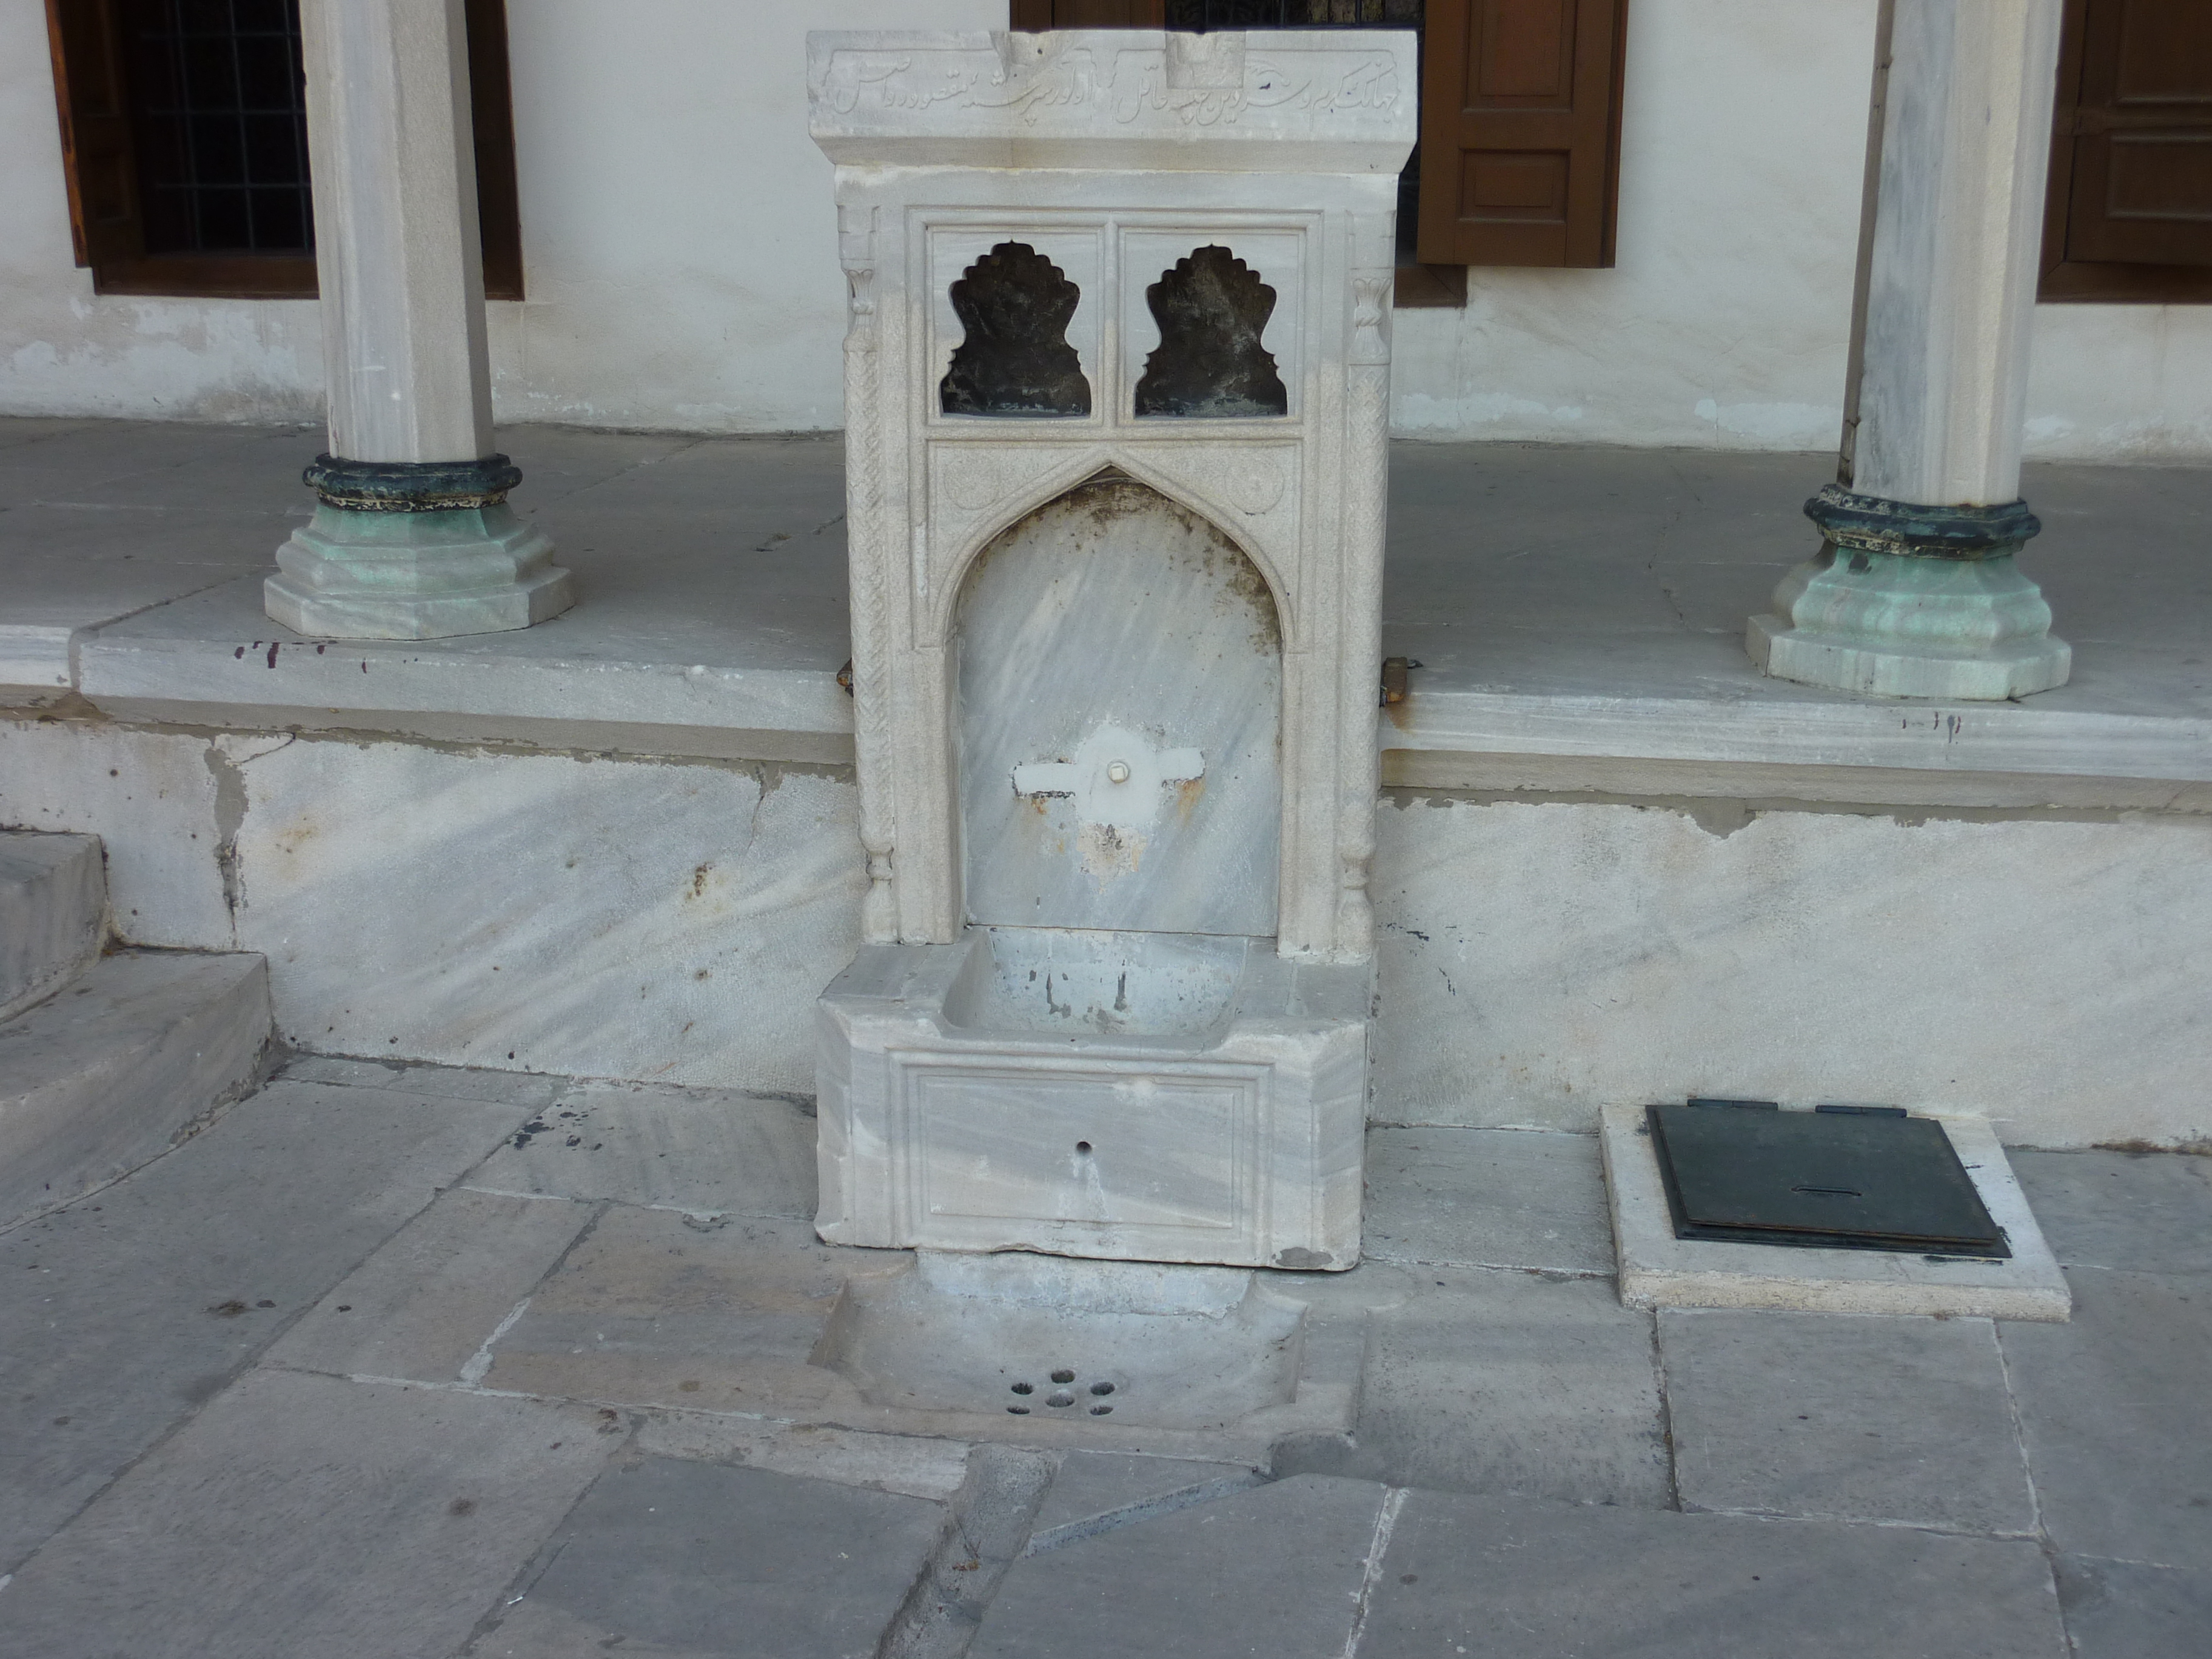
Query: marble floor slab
{"points": [[1845, 1417]]}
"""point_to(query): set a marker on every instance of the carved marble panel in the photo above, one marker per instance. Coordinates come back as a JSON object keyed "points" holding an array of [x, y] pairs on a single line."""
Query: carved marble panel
{"points": [[1117, 157], [967, 257], [1186, 309]]}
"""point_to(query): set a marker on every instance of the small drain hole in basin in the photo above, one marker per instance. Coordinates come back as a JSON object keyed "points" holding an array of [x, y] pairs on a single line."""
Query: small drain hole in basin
{"points": [[1061, 1396]]}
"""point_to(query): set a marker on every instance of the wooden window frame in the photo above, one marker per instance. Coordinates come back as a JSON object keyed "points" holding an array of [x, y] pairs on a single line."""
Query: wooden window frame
{"points": [[99, 166], [2081, 282], [1585, 129], [1417, 286]]}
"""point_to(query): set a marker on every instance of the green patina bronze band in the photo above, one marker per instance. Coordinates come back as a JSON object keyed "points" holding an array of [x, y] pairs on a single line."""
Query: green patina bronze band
{"points": [[411, 486], [1871, 525]]}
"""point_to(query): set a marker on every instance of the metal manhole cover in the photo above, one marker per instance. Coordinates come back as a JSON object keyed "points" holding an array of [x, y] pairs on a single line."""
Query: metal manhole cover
{"points": [[1854, 1178]]}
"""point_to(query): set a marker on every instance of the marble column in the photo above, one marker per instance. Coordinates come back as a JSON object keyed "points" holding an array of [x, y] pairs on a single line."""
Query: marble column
{"points": [[1915, 592], [412, 537]]}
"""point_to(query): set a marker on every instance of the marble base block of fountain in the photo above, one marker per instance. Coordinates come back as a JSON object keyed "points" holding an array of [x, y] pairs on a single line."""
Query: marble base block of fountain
{"points": [[1147, 1097]]}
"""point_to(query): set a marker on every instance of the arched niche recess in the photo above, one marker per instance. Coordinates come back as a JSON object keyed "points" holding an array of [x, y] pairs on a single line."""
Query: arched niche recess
{"points": [[1117, 715]]}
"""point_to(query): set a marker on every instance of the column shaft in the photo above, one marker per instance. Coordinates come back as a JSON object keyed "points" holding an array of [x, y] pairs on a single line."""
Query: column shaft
{"points": [[1957, 232], [413, 538], [397, 255]]}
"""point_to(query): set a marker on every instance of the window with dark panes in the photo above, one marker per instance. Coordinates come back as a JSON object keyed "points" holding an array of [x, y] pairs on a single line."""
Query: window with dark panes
{"points": [[184, 138], [2128, 213], [221, 126], [1518, 163]]}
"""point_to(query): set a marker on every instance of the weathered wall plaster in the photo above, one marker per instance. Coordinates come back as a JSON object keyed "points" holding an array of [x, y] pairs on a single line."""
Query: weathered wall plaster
{"points": [[682, 268]]}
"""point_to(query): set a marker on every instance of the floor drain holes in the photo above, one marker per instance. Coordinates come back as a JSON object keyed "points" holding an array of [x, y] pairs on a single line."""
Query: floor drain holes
{"points": [[1063, 1377], [1023, 1388], [1019, 1410], [1102, 1388], [1061, 1400], [1101, 1411], [1084, 1147]]}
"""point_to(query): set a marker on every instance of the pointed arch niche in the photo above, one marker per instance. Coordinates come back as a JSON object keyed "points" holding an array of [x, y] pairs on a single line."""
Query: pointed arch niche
{"points": [[1119, 667]]}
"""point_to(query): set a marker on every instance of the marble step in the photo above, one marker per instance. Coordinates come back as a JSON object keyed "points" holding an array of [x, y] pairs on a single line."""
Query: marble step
{"points": [[117, 1068], [53, 913]]}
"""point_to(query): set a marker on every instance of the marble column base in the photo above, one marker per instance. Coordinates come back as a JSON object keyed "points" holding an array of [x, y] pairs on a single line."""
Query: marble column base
{"points": [[359, 574], [1911, 625]]}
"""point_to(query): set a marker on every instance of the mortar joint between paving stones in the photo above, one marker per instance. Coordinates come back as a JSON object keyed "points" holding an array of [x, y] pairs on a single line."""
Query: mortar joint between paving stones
{"points": [[1386, 1522], [986, 1530], [2018, 1431], [540, 1562], [1077, 1532], [1665, 1414], [1934, 1528], [1550, 1275]]}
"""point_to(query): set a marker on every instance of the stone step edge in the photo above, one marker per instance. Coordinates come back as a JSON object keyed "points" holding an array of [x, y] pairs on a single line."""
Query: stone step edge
{"points": [[54, 914], [135, 1058]]}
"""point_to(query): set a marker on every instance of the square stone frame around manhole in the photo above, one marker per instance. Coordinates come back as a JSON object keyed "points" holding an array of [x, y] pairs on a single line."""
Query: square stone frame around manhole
{"points": [[1658, 1270]]}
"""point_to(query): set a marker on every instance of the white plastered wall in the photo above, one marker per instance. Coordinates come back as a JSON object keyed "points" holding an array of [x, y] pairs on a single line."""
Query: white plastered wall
{"points": [[681, 256]]}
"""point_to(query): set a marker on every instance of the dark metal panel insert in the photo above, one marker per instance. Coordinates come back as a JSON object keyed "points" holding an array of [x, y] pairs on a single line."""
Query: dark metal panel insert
{"points": [[1838, 1177]]}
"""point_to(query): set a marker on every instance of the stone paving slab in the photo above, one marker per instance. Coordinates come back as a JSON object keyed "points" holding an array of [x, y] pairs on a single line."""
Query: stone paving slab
{"points": [[1487, 1198], [2148, 1213], [708, 1150], [123, 1313], [423, 1306], [1507, 1381], [134, 462], [301, 1515], [1516, 1578], [909, 1464], [2112, 1412], [109, 1072], [1851, 1417], [2123, 1610], [665, 1308], [664, 1557], [720, 1313], [1273, 1573]]}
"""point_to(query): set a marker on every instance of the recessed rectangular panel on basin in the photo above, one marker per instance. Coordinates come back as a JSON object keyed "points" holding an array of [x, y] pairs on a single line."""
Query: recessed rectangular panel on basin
{"points": [[1078, 1148]]}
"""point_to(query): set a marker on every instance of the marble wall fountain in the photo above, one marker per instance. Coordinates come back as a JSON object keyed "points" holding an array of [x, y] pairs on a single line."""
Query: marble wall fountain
{"points": [[1116, 400]]}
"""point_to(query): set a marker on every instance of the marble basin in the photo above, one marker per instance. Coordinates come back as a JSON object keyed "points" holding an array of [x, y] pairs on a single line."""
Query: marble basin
{"points": [[1150, 1097]]}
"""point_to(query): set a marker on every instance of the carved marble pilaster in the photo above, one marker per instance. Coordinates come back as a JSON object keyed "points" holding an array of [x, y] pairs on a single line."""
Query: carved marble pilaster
{"points": [[870, 546]]}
